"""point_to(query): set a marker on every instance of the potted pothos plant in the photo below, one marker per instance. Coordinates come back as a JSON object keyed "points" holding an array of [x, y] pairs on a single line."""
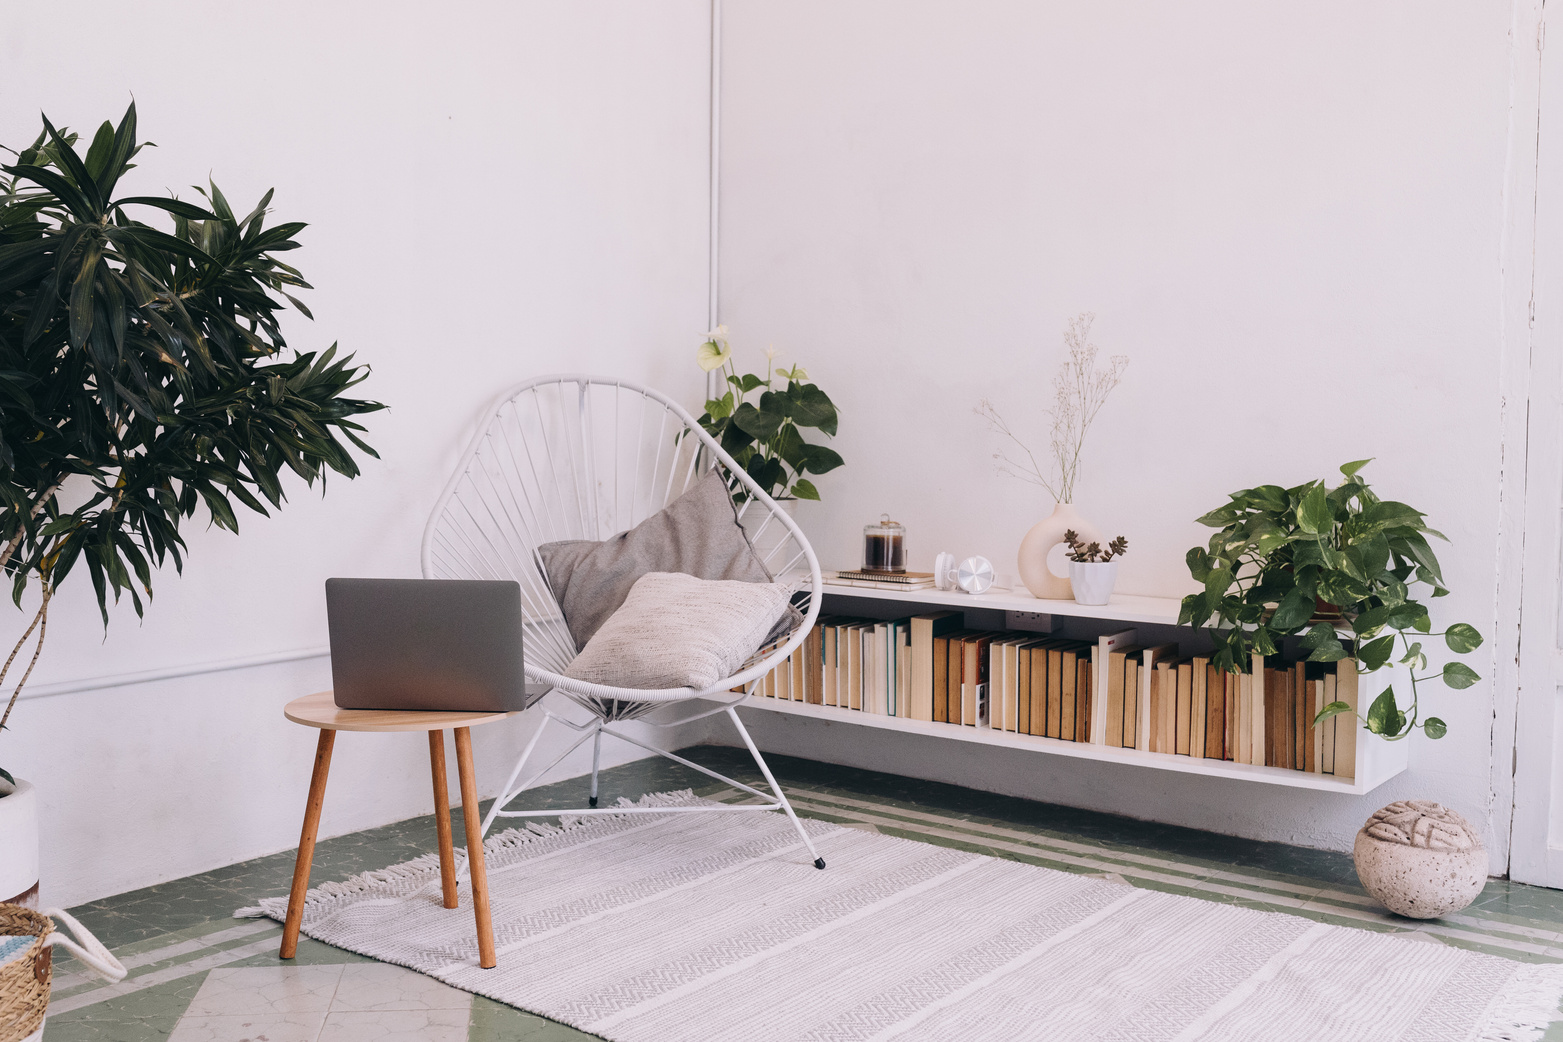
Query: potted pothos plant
{"points": [[765, 435], [147, 367], [1343, 568]]}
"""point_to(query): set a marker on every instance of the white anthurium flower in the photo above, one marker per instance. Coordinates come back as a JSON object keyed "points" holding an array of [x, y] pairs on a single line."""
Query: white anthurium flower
{"points": [[770, 353], [714, 353]]}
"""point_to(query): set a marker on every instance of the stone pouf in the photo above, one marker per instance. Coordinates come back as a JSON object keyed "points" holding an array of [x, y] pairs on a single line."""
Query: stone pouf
{"points": [[1420, 859]]}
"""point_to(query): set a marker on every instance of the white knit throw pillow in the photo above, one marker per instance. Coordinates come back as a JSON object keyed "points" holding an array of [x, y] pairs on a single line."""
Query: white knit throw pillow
{"points": [[674, 630]]}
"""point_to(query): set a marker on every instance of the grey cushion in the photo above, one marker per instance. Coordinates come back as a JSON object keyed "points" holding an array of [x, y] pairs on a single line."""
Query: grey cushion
{"points": [[674, 630], [697, 534]]}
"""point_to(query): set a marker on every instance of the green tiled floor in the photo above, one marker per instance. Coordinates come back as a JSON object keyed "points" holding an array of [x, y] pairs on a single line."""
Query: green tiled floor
{"points": [[176, 934]]}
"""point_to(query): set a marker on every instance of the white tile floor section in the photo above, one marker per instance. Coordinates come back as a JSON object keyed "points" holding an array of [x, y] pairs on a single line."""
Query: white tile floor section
{"points": [[359, 1002]]}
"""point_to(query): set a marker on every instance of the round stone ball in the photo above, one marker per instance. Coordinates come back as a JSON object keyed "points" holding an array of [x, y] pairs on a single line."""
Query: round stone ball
{"points": [[1420, 859]]}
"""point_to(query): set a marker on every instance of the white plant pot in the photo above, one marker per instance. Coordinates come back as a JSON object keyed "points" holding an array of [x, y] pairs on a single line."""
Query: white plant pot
{"points": [[1093, 581], [19, 846]]}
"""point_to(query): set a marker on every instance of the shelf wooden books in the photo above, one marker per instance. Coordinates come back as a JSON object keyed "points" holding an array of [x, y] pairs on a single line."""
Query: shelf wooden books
{"points": [[1109, 698]]}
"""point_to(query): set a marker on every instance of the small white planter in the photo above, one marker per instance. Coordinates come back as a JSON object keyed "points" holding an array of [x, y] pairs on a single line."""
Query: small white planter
{"points": [[1093, 582], [19, 846]]}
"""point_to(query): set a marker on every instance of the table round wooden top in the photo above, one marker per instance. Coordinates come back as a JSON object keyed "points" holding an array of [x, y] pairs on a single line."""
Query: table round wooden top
{"points": [[320, 710]]}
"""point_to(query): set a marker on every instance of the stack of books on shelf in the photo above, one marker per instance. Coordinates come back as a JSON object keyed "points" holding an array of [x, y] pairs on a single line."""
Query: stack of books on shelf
{"points": [[881, 580], [931, 668], [1159, 702]]}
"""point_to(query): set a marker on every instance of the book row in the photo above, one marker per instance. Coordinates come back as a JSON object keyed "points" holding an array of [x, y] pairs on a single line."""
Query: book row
{"points": [[1160, 702], [931, 668]]}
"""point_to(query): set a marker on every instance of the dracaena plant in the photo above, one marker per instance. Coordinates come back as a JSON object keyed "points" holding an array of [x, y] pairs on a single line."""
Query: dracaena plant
{"points": [[765, 436], [149, 368], [1343, 568]]}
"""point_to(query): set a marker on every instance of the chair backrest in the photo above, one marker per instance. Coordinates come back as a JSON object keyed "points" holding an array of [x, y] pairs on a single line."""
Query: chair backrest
{"points": [[582, 457]]}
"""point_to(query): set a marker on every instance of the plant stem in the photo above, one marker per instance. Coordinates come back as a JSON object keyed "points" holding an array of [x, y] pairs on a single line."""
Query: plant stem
{"points": [[41, 623], [21, 533]]}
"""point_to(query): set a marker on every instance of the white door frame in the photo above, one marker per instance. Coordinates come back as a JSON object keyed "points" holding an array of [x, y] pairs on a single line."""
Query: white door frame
{"points": [[1527, 772]]}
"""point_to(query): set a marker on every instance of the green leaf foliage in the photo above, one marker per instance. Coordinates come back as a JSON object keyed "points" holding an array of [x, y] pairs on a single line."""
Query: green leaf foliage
{"points": [[1295, 561], [1459, 675], [1385, 717], [765, 436], [1333, 709], [1433, 727], [150, 365], [1462, 638]]}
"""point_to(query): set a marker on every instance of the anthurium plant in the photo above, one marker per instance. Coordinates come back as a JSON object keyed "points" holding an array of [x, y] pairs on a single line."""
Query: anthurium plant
{"points": [[765, 435], [147, 367], [1343, 568]]}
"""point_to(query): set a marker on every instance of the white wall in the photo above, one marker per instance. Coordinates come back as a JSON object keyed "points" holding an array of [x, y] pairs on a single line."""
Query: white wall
{"points": [[495, 191], [1290, 218]]}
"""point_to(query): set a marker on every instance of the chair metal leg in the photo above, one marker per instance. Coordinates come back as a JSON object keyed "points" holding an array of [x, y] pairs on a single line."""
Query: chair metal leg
{"points": [[505, 793], [732, 714], [596, 758]]}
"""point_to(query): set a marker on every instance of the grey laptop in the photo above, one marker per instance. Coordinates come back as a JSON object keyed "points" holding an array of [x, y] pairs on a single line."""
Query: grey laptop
{"points": [[422, 644]]}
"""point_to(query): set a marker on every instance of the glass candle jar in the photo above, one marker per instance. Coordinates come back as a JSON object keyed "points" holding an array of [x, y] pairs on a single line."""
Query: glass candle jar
{"points": [[884, 546]]}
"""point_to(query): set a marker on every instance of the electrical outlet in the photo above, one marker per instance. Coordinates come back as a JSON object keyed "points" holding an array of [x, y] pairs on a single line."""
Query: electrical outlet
{"points": [[1028, 621]]}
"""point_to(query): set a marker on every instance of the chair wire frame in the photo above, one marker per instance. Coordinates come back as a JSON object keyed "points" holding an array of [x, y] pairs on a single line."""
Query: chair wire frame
{"points": [[584, 457]]}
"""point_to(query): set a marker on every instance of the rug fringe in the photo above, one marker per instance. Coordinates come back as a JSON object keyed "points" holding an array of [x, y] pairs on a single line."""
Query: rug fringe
{"points": [[1525, 1006], [427, 866]]}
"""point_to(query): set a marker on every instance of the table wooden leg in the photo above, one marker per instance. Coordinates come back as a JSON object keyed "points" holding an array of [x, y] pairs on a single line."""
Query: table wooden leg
{"points": [[472, 817], [306, 843], [442, 817]]}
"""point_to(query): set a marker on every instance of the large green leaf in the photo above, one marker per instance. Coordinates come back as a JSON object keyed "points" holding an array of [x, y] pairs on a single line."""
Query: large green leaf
{"points": [[1459, 675], [1385, 717], [820, 460], [1462, 638], [175, 206], [1350, 469], [1375, 653], [1294, 610], [811, 407], [756, 424], [1313, 514]]}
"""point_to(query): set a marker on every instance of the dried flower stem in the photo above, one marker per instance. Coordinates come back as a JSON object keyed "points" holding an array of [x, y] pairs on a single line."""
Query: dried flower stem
{"points": [[1079, 391]]}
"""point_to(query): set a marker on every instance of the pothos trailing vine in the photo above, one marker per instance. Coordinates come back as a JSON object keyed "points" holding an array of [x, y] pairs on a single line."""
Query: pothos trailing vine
{"points": [[1333, 564]]}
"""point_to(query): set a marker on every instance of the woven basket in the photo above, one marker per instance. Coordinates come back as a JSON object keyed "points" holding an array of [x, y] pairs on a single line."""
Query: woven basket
{"points": [[24, 981]]}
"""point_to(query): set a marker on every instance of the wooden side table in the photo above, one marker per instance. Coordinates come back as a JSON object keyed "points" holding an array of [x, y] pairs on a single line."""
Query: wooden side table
{"points": [[319, 710]]}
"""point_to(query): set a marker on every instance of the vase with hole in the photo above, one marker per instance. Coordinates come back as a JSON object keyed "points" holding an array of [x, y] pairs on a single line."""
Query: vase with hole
{"points": [[19, 845], [1033, 562]]}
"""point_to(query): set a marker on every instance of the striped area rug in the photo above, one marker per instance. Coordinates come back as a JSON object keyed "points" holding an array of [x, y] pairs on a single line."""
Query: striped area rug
{"points": [[717, 927]]}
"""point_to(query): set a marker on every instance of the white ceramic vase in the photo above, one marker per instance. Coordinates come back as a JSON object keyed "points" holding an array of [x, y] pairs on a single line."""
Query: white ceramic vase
{"points": [[1032, 561], [19, 846], [1093, 581]]}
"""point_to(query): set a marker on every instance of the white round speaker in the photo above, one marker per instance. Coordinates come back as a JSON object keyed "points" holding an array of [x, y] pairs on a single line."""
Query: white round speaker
{"points": [[975, 575]]}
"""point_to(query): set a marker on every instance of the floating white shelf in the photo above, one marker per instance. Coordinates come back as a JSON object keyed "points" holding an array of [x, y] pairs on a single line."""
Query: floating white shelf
{"points": [[1377, 760], [1162, 611]]}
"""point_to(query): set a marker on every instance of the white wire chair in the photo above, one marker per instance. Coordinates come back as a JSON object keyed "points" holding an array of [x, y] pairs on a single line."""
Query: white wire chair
{"points": [[583, 457]]}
